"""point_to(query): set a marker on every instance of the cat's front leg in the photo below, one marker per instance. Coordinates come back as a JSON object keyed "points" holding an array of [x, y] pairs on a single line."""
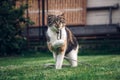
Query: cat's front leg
{"points": [[59, 60], [55, 56]]}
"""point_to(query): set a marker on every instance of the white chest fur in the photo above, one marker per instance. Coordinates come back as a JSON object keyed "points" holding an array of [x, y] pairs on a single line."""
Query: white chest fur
{"points": [[54, 37]]}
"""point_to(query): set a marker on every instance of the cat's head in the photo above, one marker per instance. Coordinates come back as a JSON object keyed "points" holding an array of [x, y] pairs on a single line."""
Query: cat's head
{"points": [[56, 22]]}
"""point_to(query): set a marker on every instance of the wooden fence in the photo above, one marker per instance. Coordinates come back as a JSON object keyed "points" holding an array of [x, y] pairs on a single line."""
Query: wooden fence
{"points": [[74, 10]]}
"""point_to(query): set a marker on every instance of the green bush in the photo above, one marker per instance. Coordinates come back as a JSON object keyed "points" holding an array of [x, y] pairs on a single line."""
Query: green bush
{"points": [[12, 22]]}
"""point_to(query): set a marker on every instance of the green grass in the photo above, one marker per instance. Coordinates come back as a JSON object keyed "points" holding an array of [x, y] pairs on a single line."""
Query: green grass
{"points": [[103, 67]]}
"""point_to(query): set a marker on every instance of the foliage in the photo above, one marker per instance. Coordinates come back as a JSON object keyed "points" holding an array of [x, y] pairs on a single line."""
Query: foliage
{"points": [[12, 22], [103, 67]]}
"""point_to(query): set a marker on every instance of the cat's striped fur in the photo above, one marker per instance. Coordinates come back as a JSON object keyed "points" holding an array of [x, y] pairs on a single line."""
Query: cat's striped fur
{"points": [[61, 42]]}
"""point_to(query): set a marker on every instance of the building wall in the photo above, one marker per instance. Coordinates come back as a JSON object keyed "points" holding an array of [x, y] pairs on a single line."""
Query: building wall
{"points": [[102, 17]]}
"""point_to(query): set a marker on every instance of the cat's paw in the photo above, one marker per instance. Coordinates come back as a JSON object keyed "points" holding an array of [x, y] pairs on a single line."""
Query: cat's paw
{"points": [[58, 43]]}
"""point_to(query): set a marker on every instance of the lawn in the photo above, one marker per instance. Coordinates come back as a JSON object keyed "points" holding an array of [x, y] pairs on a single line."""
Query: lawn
{"points": [[103, 67]]}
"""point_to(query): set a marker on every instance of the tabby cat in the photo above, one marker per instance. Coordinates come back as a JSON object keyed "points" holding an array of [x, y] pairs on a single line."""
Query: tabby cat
{"points": [[60, 40]]}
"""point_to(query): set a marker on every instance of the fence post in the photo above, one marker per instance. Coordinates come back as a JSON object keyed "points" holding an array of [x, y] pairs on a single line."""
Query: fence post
{"points": [[27, 26]]}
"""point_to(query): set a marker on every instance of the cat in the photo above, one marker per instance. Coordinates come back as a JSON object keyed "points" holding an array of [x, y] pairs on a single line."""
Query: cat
{"points": [[61, 41]]}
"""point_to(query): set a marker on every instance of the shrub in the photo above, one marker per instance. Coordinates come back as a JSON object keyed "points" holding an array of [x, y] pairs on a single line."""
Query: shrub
{"points": [[12, 22]]}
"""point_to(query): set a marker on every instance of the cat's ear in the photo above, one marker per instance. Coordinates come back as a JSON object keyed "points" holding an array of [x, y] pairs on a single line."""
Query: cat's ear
{"points": [[62, 15], [49, 17]]}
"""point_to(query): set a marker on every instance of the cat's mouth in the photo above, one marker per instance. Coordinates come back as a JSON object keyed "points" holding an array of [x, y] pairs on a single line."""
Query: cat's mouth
{"points": [[56, 28], [58, 31], [59, 27]]}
